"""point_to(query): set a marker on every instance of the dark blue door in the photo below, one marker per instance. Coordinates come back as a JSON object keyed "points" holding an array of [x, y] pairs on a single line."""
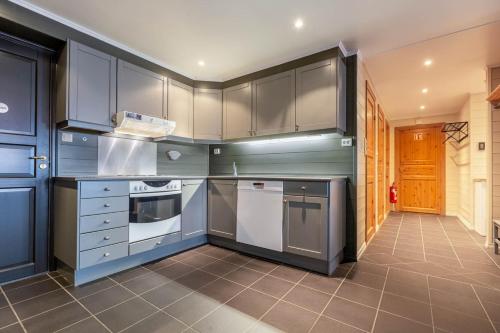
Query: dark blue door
{"points": [[24, 159]]}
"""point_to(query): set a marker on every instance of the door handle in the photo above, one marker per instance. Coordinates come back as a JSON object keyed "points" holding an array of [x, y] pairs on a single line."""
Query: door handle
{"points": [[41, 158]]}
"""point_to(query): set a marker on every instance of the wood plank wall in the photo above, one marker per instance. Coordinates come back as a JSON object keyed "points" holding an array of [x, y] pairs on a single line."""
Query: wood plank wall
{"points": [[495, 130]]}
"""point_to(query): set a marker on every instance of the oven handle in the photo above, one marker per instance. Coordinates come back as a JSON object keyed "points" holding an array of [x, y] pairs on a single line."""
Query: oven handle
{"points": [[154, 194]]}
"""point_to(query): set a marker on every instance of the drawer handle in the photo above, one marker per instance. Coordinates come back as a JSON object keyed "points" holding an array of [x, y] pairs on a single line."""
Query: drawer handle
{"points": [[303, 188], [107, 205], [107, 221], [107, 254], [107, 237], [285, 201], [107, 189], [158, 243]]}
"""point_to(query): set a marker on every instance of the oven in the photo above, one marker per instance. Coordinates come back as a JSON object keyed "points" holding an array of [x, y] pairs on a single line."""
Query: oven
{"points": [[155, 209]]}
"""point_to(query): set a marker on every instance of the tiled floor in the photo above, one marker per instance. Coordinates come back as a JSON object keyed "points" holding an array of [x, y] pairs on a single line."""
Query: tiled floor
{"points": [[419, 274]]}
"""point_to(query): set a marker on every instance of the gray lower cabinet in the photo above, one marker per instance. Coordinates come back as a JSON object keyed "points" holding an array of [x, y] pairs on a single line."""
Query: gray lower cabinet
{"points": [[222, 202], [319, 103], [180, 108], [305, 229], [207, 118], [274, 104], [237, 112], [140, 90], [86, 88], [194, 208]]}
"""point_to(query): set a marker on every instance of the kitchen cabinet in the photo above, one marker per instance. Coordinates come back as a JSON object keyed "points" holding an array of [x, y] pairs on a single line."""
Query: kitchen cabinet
{"points": [[320, 96], [274, 104], [194, 208], [207, 116], [86, 88], [180, 108], [222, 203], [140, 90], [237, 111], [305, 228]]}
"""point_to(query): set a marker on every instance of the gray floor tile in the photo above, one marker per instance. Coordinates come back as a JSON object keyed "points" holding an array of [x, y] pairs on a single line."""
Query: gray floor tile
{"points": [[56, 319], [126, 314]]}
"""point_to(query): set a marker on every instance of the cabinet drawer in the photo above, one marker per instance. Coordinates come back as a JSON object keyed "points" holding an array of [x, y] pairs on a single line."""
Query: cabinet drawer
{"points": [[96, 239], [98, 189], [103, 254], [103, 221], [153, 243], [103, 205], [311, 189]]}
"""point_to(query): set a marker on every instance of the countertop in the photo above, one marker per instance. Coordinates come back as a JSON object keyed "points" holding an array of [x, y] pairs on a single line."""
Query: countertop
{"points": [[162, 177]]}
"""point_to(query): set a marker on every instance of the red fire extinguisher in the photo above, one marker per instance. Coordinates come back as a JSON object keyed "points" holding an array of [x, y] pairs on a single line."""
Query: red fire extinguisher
{"points": [[393, 193]]}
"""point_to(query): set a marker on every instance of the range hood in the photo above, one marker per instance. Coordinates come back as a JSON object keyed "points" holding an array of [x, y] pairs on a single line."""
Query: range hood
{"points": [[142, 125]]}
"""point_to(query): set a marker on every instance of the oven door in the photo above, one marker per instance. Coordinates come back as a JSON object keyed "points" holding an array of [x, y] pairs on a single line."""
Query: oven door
{"points": [[154, 214]]}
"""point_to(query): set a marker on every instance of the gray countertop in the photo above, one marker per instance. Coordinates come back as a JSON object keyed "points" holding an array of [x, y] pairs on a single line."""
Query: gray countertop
{"points": [[244, 177]]}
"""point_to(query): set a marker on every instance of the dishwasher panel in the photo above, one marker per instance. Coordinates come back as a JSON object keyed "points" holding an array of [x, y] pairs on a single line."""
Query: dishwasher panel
{"points": [[260, 214]]}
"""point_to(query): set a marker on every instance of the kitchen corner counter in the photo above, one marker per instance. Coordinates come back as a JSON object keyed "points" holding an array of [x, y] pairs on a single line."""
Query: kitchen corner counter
{"points": [[318, 178]]}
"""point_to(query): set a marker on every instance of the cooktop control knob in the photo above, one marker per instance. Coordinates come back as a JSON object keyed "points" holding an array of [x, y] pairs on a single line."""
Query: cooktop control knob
{"points": [[145, 187]]}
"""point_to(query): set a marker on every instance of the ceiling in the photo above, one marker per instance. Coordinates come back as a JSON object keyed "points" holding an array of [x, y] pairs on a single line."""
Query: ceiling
{"points": [[459, 68], [238, 37]]}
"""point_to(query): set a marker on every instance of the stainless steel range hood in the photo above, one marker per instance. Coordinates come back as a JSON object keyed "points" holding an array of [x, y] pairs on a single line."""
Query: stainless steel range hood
{"points": [[142, 125]]}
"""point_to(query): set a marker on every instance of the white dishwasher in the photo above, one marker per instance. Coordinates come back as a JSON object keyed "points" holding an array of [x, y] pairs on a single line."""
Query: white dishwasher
{"points": [[260, 214]]}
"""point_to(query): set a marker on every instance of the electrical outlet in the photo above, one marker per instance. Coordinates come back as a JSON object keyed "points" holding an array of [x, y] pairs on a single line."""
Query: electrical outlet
{"points": [[347, 142], [217, 151]]}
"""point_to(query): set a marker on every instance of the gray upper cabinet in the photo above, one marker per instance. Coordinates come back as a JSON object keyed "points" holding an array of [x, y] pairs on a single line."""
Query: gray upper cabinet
{"points": [[320, 104], [180, 108], [274, 104], [140, 90], [194, 208], [222, 202], [86, 88], [237, 111], [207, 114], [305, 229]]}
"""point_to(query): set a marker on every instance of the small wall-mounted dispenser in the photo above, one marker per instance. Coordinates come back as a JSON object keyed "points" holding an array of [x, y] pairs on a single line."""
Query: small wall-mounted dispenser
{"points": [[173, 155]]}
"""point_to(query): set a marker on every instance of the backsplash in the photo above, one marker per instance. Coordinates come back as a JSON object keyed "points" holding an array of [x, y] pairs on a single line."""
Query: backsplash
{"points": [[78, 155], [320, 155]]}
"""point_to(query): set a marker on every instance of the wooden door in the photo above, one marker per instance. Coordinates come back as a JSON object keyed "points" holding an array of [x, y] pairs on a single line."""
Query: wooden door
{"points": [[24, 159], [387, 165], [316, 96], [420, 169], [140, 90], [274, 104], [380, 166], [180, 108], [237, 111], [207, 119], [370, 162]]}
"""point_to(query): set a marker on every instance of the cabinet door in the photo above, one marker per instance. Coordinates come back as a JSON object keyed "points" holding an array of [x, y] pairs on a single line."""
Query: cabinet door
{"points": [[306, 226], [139, 90], [207, 114], [180, 108], [317, 96], [92, 85], [194, 208], [222, 199], [274, 104], [237, 111]]}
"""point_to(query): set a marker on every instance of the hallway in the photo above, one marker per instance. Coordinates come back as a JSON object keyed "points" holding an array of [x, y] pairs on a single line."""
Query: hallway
{"points": [[432, 270]]}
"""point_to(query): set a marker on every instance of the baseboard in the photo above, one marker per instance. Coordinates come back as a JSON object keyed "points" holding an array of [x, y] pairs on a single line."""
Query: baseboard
{"points": [[464, 221], [361, 250]]}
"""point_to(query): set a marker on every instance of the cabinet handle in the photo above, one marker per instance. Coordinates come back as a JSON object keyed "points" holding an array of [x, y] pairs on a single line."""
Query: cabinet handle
{"points": [[158, 243], [254, 133], [303, 188], [250, 133], [107, 254], [107, 237], [296, 128], [107, 189], [107, 221], [107, 205], [285, 201]]}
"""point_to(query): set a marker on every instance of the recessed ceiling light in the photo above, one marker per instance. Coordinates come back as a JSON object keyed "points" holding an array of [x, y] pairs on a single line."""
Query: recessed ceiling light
{"points": [[422, 107], [298, 23], [425, 91], [427, 62], [201, 63]]}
